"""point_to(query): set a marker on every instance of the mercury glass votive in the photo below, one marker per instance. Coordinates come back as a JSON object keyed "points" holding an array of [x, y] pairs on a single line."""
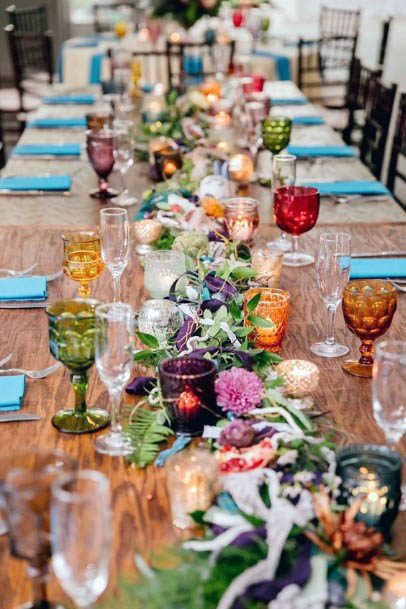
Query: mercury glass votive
{"points": [[168, 162], [191, 479], [373, 472], [241, 218], [162, 269], [268, 264], [146, 232], [241, 168], [158, 144], [274, 307], [161, 318], [300, 377], [187, 387]]}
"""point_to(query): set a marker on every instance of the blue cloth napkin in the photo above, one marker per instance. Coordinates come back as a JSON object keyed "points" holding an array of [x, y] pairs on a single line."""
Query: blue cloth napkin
{"points": [[23, 288], [315, 151], [21, 183], [84, 99], [57, 123], [11, 392], [96, 68], [289, 101], [377, 268], [282, 64], [308, 120], [350, 188], [45, 149]]}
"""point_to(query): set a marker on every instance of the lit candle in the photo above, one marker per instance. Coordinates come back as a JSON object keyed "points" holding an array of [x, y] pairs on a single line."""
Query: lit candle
{"points": [[268, 265], [162, 268], [241, 217], [158, 144], [169, 168], [222, 119], [211, 90], [300, 377], [241, 168], [167, 162]]}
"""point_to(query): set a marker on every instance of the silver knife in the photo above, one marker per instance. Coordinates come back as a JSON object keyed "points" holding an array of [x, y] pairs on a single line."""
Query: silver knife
{"points": [[34, 193], [10, 417], [388, 254], [24, 305]]}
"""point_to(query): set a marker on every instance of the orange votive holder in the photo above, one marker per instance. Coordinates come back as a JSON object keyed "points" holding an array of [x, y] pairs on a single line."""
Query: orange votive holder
{"points": [[273, 306]]}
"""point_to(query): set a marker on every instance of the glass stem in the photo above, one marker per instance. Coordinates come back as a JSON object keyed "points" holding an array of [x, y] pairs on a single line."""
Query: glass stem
{"points": [[116, 287], [295, 244], [331, 311], [39, 577], [115, 400], [79, 384], [123, 188]]}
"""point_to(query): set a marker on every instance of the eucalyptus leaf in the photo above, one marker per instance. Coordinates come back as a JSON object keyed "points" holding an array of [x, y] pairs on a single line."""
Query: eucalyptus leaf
{"points": [[235, 311]]}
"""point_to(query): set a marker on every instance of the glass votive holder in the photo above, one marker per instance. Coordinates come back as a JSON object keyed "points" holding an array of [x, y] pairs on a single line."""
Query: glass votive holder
{"points": [[146, 232], [191, 480], [255, 84], [268, 265], [263, 98], [273, 306], [161, 318], [395, 591], [300, 379], [187, 387], [160, 143], [241, 218], [372, 472], [211, 89], [241, 168], [223, 105], [162, 269], [168, 162]]}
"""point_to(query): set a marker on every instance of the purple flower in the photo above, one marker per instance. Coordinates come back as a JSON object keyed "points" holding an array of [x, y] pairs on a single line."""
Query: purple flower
{"points": [[239, 390], [238, 433]]}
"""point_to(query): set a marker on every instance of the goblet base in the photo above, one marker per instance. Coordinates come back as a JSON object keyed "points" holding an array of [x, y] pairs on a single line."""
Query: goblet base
{"points": [[323, 349], [115, 444], [91, 420], [353, 367], [282, 244], [103, 195], [143, 248], [124, 201], [44, 605], [297, 259]]}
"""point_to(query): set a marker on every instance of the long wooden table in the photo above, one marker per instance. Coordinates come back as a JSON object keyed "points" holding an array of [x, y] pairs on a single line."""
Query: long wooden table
{"points": [[139, 497]]}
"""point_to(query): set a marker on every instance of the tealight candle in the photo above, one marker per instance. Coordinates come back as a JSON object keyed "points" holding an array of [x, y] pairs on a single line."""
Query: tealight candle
{"points": [[300, 377], [241, 218], [162, 269], [191, 477], [160, 143], [372, 472], [268, 264], [211, 90], [241, 168]]}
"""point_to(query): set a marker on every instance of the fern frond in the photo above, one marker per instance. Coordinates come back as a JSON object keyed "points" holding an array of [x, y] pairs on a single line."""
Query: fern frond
{"points": [[146, 434]]}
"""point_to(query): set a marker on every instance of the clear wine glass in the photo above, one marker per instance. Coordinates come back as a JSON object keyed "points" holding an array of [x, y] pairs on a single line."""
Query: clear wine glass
{"points": [[113, 352], [115, 243], [333, 271], [388, 392], [81, 528], [283, 174], [124, 159]]}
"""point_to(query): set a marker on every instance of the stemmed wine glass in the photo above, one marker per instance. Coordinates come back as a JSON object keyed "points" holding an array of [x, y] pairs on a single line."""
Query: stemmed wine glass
{"points": [[114, 356], [388, 392], [25, 492], [81, 531], [100, 147], [283, 174], [124, 158], [333, 272], [276, 132], [115, 243], [256, 112], [296, 209]]}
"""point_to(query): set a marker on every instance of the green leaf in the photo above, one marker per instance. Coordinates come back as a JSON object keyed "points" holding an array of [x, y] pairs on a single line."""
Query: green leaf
{"points": [[260, 322], [243, 272], [253, 303], [148, 340], [235, 311], [146, 434], [142, 355]]}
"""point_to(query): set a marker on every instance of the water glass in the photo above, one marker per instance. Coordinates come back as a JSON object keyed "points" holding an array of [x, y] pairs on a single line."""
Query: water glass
{"points": [[115, 243], [100, 148], [333, 272], [81, 531], [124, 159], [162, 269], [283, 174], [114, 340]]}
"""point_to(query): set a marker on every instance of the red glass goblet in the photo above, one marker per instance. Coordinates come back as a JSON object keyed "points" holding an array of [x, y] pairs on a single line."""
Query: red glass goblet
{"points": [[238, 17], [255, 85], [296, 209], [100, 149]]}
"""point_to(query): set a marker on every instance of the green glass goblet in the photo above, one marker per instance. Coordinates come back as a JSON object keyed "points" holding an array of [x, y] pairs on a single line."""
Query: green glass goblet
{"points": [[71, 341], [276, 133]]}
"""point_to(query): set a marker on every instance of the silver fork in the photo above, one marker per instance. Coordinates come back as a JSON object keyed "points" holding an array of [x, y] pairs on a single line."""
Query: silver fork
{"points": [[398, 286], [23, 273], [34, 374], [6, 359]]}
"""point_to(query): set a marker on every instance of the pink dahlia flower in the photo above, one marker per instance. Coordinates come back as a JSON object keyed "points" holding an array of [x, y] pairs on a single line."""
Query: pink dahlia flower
{"points": [[239, 390]]}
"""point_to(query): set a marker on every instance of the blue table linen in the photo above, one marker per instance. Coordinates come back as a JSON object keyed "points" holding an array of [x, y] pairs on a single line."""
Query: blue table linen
{"points": [[47, 149], [282, 64], [80, 99], [57, 123], [23, 288], [378, 268], [356, 187], [11, 392], [308, 120], [320, 151], [21, 183], [289, 101]]}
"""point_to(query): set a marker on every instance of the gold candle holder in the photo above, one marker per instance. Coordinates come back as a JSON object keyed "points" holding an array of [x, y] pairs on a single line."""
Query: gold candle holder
{"points": [[146, 232], [241, 168], [273, 306], [268, 265], [191, 478], [241, 218], [300, 377]]}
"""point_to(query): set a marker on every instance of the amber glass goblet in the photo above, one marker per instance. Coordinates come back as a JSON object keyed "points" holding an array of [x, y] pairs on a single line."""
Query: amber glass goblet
{"points": [[273, 310], [368, 308], [82, 260]]}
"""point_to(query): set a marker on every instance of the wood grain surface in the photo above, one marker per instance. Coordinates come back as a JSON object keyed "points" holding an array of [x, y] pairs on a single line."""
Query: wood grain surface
{"points": [[139, 497]]}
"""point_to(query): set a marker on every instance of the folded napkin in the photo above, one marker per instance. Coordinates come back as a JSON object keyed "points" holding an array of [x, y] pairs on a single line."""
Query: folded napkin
{"points": [[83, 43], [23, 288], [289, 101], [57, 123], [70, 99], [315, 151], [11, 392], [21, 183], [308, 120], [355, 187], [47, 149], [377, 268]]}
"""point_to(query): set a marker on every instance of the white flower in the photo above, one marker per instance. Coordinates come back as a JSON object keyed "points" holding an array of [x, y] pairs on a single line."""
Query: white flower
{"points": [[198, 99], [291, 491], [303, 477], [288, 458]]}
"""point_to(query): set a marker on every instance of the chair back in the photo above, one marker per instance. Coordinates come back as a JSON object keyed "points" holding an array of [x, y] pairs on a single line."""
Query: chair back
{"points": [[31, 19], [338, 22], [386, 25], [2, 144], [105, 15], [397, 164], [379, 106]]}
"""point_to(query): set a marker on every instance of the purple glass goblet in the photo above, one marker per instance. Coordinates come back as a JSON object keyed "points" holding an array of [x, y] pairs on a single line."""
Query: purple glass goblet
{"points": [[187, 386], [100, 149]]}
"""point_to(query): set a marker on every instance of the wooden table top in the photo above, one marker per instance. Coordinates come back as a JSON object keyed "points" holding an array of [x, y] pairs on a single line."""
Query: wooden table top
{"points": [[139, 497]]}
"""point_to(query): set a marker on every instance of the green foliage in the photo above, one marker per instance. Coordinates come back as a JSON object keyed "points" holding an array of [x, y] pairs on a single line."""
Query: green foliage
{"points": [[146, 435], [164, 242], [148, 340], [186, 13], [259, 322]]}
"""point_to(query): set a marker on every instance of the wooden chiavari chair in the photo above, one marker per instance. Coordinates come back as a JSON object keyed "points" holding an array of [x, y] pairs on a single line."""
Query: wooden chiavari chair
{"points": [[338, 22], [31, 19], [397, 165]]}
